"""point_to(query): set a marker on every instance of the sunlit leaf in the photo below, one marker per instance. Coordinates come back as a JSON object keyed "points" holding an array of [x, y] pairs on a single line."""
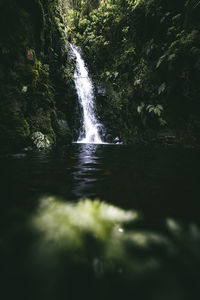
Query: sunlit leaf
{"points": [[140, 107], [161, 88]]}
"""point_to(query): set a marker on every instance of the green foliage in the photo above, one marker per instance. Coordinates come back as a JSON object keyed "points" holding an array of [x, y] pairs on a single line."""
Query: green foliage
{"points": [[40, 73], [161, 88], [156, 109], [34, 62], [65, 225], [101, 241], [142, 52], [137, 51], [153, 110], [22, 128]]}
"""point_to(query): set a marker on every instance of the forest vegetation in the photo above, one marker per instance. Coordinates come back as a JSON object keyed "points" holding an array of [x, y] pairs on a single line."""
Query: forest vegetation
{"points": [[143, 57], [95, 219], [146, 55]]}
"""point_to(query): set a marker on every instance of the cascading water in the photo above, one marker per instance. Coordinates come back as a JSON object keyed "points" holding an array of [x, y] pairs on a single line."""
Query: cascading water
{"points": [[90, 131]]}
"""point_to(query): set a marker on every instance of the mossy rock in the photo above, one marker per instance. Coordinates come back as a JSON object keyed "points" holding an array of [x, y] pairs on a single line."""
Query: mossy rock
{"points": [[64, 135]]}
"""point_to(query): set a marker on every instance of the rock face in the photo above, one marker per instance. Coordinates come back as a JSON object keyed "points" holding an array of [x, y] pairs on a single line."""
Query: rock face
{"points": [[36, 76]]}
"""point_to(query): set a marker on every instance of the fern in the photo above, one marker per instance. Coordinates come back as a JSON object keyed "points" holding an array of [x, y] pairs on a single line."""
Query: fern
{"points": [[161, 88], [155, 109]]}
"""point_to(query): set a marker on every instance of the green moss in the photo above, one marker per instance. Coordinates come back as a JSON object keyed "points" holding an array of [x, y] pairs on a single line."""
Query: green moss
{"points": [[27, 92], [22, 129]]}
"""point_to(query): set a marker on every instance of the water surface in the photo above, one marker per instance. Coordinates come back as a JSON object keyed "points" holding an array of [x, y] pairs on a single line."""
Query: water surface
{"points": [[157, 181], [161, 184]]}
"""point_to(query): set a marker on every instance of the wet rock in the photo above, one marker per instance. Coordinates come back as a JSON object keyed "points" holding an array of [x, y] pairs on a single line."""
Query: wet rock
{"points": [[109, 138], [117, 140], [64, 135]]}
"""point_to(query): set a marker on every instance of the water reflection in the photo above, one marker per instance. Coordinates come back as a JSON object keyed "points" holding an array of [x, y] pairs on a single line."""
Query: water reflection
{"points": [[85, 169]]}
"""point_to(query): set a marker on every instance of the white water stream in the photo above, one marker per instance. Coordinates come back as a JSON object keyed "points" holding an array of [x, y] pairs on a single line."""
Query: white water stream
{"points": [[91, 127]]}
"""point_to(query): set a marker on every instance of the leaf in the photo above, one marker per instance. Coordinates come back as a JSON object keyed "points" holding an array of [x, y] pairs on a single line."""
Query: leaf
{"points": [[151, 109], [161, 88], [137, 82], [140, 107], [149, 106], [160, 61], [162, 20], [157, 111], [116, 74], [196, 4], [162, 122], [160, 106], [171, 57]]}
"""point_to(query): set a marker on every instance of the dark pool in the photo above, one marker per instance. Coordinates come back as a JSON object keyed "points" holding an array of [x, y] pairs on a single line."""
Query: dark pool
{"points": [[159, 255]]}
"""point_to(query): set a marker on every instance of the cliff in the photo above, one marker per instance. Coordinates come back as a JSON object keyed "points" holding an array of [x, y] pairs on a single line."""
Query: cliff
{"points": [[36, 77]]}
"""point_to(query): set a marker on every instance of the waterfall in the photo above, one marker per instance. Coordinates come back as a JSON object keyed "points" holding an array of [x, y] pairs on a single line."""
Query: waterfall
{"points": [[90, 132]]}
